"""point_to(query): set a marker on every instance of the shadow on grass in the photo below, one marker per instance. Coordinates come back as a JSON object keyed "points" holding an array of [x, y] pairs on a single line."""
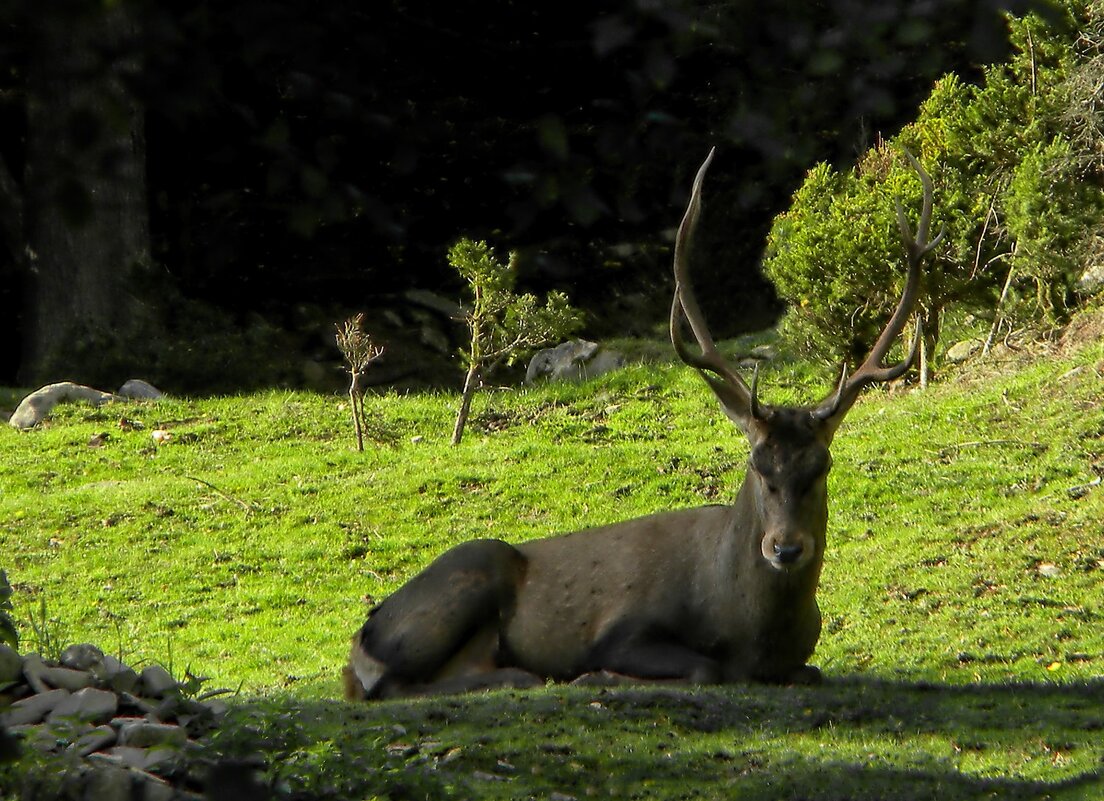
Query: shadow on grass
{"points": [[851, 738]]}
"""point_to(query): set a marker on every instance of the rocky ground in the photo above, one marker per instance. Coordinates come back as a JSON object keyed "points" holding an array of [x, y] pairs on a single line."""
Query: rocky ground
{"points": [[116, 733]]}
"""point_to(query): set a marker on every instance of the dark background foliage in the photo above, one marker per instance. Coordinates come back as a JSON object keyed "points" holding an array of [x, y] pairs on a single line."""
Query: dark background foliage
{"points": [[330, 153]]}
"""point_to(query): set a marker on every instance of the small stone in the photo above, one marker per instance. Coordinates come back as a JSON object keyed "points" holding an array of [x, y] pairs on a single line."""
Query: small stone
{"points": [[168, 708], [132, 703], [93, 740], [67, 679], [961, 351], [34, 708], [143, 758], [32, 672], [81, 657], [116, 675], [157, 682], [11, 664], [129, 755], [90, 705], [143, 734]]}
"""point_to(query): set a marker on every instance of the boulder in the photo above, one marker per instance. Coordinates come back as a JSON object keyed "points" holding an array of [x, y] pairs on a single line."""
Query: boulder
{"points": [[66, 678], [137, 389], [95, 739], [88, 705], [1091, 281], [575, 360], [81, 657], [36, 406], [961, 351], [156, 682], [116, 675], [33, 709]]}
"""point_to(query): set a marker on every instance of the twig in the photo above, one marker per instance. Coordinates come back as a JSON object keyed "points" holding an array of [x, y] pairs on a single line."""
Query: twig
{"points": [[248, 507], [997, 318], [958, 446], [1082, 489]]}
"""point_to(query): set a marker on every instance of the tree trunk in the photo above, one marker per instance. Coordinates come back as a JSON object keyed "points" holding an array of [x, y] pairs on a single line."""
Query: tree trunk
{"points": [[471, 384], [86, 212]]}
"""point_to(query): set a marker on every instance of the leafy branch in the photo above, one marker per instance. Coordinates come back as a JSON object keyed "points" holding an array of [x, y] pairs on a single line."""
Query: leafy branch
{"points": [[503, 326]]}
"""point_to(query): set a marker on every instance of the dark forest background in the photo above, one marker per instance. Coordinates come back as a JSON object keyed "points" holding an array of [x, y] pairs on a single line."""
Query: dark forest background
{"points": [[194, 192]]}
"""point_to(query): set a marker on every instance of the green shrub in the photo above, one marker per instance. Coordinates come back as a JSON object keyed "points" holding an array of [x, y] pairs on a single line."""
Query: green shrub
{"points": [[1017, 192], [502, 325]]}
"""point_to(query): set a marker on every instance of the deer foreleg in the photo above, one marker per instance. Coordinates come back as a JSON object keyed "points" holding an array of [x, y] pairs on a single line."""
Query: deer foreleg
{"points": [[640, 655]]}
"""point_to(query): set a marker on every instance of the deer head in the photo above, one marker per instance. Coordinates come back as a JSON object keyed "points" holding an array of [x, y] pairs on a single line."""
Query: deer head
{"points": [[789, 459]]}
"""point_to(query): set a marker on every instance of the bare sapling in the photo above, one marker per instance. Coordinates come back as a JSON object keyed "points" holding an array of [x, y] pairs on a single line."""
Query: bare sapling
{"points": [[360, 351]]}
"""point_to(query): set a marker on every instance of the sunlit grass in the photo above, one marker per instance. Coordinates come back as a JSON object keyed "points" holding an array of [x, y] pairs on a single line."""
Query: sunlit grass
{"points": [[963, 590]]}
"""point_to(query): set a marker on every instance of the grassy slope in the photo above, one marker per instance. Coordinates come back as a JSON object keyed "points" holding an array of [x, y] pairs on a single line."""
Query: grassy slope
{"points": [[962, 592]]}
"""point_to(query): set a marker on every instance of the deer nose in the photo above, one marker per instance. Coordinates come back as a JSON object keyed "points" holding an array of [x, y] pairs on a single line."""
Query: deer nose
{"points": [[788, 554]]}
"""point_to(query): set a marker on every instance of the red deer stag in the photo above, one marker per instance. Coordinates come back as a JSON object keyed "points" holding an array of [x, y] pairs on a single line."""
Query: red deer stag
{"points": [[713, 594]]}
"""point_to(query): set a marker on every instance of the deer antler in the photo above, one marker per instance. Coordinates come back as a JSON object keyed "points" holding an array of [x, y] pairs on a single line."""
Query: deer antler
{"points": [[721, 376], [917, 247]]}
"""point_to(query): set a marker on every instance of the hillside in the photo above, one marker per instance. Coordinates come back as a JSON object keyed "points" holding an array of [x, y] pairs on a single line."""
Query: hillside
{"points": [[963, 642]]}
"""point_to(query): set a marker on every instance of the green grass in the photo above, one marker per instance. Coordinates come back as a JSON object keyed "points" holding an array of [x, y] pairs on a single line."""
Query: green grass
{"points": [[963, 590]]}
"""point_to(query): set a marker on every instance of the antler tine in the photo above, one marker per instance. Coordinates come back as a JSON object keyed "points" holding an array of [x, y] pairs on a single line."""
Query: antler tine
{"points": [[684, 305], [917, 247]]}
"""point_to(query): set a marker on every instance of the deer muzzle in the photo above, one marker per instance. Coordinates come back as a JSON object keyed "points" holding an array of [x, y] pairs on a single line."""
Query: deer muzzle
{"points": [[788, 551]]}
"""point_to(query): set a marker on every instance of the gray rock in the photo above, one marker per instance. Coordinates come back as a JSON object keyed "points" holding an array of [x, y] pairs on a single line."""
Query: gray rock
{"points": [[32, 672], [764, 353], [1092, 280], [134, 702], [433, 337], [11, 664], [93, 740], [574, 360], [33, 709], [434, 302], [116, 675], [89, 705], [156, 682], [142, 734], [142, 758], [34, 408], [67, 679], [82, 657], [137, 389], [961, 351]]}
